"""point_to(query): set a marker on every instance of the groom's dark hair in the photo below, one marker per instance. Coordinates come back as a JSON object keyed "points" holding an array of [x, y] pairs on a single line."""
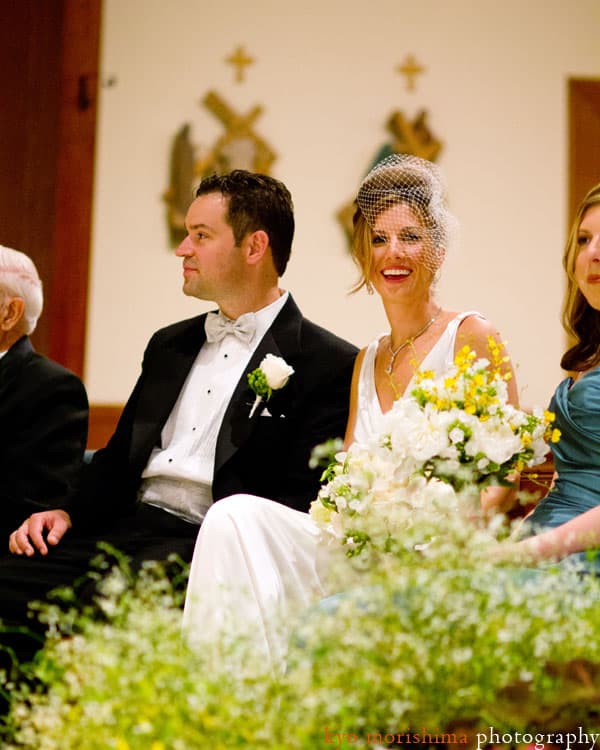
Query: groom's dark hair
{"points": [[256, 201]]}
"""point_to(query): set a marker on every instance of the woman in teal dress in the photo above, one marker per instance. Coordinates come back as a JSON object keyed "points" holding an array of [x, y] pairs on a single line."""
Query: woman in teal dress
{"points": [[567, 521]]}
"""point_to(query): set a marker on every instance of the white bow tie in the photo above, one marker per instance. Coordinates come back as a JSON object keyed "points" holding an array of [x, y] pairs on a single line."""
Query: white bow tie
{"points": [[217, 326]]}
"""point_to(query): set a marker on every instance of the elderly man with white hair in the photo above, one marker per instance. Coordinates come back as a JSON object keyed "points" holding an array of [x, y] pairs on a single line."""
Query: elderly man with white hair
{"points": [[43, 406]]}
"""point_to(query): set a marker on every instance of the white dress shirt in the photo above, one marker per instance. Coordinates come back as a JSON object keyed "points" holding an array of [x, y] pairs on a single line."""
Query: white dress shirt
{"points": [[186, 457]]}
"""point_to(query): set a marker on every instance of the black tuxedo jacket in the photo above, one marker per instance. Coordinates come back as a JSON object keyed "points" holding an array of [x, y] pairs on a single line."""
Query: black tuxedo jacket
{"points": [[262, 455], [43, 432]]}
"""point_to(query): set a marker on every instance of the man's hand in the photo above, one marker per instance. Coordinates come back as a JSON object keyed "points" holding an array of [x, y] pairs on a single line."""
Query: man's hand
{"points": [[29, 536]]}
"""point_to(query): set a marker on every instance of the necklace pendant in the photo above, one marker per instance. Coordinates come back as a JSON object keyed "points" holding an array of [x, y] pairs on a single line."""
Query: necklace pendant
{"points": [[389, 369], [407, 342]]}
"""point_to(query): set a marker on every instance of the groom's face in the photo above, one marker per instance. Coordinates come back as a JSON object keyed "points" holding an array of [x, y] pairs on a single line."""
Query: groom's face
{"points": [[213, 267]]}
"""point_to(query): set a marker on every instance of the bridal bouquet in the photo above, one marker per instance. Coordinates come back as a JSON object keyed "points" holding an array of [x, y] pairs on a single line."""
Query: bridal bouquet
{"points": [[438, 447]]}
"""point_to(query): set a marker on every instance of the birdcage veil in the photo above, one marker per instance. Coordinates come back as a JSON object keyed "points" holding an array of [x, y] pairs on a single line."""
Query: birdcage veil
{"points": [[404, 196]]}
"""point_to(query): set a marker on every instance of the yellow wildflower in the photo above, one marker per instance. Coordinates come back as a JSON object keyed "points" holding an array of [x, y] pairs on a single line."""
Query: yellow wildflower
{"points": [[424, 375]]}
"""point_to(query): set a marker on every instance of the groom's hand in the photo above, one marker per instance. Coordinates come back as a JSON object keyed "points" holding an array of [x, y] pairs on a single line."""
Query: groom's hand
{"points": [[30, 534]]}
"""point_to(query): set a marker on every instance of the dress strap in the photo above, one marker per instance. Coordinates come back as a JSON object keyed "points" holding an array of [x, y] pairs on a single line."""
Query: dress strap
{"points": [[452, 327], [441, 357], [369, 411]]}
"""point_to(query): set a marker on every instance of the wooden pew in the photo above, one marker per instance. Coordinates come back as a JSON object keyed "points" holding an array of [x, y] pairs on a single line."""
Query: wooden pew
{"points": [[536, 481]]}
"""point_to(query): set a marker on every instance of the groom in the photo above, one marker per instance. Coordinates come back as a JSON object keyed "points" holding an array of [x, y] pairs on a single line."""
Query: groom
{"points": [[188, 435]]}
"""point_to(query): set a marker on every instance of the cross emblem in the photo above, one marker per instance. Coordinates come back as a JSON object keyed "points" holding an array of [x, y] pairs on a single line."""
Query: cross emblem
{"points": [[410, 68], [239, 59]]}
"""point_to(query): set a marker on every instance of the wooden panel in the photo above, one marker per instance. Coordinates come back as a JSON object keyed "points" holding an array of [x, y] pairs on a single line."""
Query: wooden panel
{"points": [[47, 132], [74, 181], [536, 480], [539, 478], [103, 420], [30, 61], [584, 139]]}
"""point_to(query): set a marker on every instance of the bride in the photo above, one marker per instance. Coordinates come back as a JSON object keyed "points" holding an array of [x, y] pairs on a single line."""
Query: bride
{"points": [[256, 562]]}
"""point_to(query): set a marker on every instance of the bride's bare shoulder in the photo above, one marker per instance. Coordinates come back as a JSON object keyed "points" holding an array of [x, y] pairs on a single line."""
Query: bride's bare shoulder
{"points": [[476, 325]]}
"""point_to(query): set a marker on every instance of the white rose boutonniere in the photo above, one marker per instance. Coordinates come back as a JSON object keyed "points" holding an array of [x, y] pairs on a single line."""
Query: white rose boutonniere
{"points": [[272, 375]]}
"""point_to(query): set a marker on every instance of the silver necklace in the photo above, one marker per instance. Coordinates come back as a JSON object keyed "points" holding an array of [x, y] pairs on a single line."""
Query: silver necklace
{"points": [[408, 341]]}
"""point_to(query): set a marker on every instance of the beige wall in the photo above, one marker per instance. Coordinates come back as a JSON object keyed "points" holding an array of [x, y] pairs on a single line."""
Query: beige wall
{"points": [[495, 90]]}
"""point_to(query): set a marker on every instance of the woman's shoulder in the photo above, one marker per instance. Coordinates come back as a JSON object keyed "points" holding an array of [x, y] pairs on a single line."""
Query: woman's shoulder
{"points": [[375, 341], [466, 318], [368, 354], [469, 324], [484, 338], [473, 326], [371, 348]]}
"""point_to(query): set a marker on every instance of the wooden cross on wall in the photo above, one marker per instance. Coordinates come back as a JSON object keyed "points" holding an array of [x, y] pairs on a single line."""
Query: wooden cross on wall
{"points": [[240, 60], [410, 68]]}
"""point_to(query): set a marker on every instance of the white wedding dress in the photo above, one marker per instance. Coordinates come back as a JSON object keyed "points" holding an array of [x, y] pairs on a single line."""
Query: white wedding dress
{"points": [[257, 564]]}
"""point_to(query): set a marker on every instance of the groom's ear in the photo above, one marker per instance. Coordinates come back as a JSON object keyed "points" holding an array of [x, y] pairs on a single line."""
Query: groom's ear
{"points": [[256, 246]]}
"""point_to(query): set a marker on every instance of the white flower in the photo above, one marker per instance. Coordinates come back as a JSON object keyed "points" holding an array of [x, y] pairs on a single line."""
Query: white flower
{"points": [[418, 480], [456, 435], [495, 440], [276, 371], [319, 512], [272, 374]]}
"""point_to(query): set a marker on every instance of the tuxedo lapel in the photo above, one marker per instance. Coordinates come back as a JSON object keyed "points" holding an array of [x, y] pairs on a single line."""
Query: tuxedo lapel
{"points": [[281, 340], [166, 376]]}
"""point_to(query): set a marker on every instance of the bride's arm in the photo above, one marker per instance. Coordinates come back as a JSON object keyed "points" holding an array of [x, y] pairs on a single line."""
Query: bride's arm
{"points": [[353, 408], [496, 499]]}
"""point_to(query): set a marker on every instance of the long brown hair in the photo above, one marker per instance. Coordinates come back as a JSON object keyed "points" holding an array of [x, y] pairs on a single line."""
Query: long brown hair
{"points": [[580, 320], [361, 248]]}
